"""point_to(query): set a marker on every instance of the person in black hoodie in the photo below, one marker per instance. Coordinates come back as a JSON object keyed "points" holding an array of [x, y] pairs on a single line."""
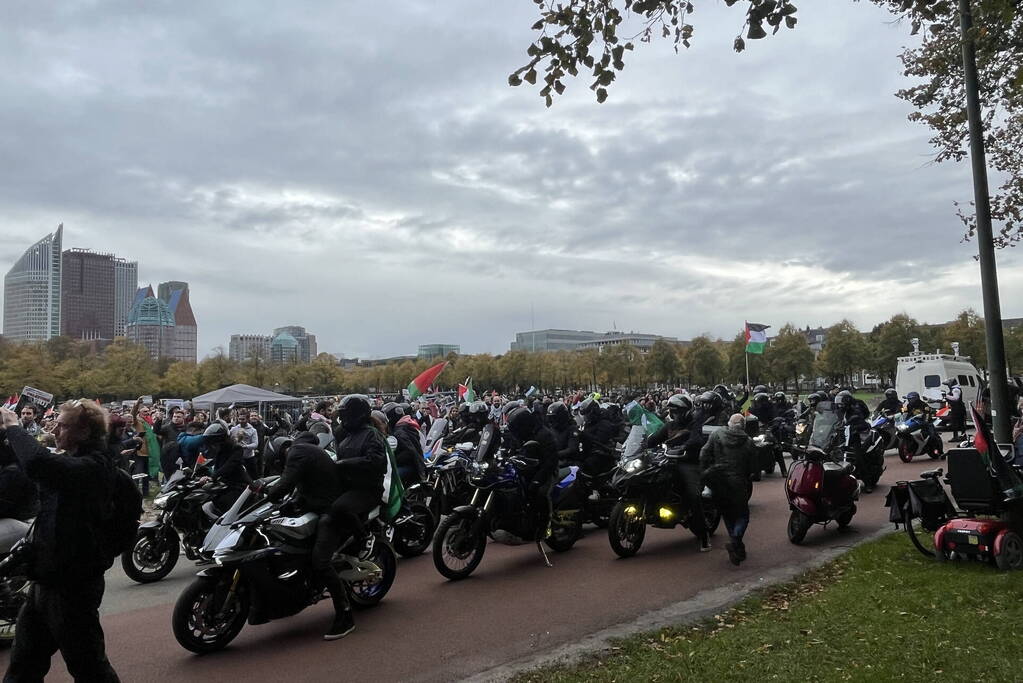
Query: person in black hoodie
{"points": [[67, 559], [559, 420], [539, 444], [361, 466], [228, 464], [597, 438], [409, 452]]}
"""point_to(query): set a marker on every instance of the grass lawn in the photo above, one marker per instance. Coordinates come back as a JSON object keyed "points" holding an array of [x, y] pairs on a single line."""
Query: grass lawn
{"points": [[881, 612]]}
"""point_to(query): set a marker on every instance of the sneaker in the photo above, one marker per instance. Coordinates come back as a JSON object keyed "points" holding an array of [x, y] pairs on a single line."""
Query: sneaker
{"points": [[704, 545], [343, 624], [733, 554]]}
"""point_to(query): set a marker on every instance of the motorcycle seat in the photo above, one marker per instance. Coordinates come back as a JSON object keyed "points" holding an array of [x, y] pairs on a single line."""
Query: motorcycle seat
{"points": [[834, 470], [11, 531]]}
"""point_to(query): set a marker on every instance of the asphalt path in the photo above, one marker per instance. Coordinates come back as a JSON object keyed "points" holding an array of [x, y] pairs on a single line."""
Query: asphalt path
{"points": [[430, 629]]}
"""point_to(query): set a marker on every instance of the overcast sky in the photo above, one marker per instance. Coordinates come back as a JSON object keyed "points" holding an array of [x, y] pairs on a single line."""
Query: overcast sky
{"points": [[364, 170]]}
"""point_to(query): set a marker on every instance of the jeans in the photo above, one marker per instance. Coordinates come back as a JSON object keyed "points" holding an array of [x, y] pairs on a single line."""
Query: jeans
{"points": [[66, 619], [141, 466], [736, 518]]}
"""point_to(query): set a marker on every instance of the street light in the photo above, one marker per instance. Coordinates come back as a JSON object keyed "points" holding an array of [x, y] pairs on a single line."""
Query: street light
{"points": [[997, 380]]}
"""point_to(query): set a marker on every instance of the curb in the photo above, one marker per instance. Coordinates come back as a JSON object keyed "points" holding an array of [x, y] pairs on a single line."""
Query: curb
{"points": [[688, 611]]}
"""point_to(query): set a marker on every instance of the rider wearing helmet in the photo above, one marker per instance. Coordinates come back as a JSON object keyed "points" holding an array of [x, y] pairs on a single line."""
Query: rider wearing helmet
{"points": [[409, 452], [855, 413], [675, 432], [891, 403], [596, 437], [228, 464], [566, 433], [539, 444], [780, 402], [762, 408], [917, 406]]}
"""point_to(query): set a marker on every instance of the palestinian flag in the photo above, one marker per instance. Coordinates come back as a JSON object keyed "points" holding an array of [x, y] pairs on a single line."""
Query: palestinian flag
{"points": [[420, 384], [465, 391], [756, 337], [11, 402], [984, 441], [638, 415], [393, 492]]}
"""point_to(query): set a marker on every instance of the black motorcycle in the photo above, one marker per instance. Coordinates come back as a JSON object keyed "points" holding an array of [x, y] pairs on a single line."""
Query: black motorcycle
{"points": [[416, 523], [649, 496], [185, 513], [263, 571], [13, 582]]}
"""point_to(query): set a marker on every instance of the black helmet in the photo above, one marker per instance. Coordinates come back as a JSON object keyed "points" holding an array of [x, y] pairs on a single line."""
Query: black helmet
{"points": [[779, 396], [760, 389], [394, 412], [679, 406], [523, 423], [354, 411], [891, 393], [463, 411], [843, 398], [590, 409], [559, 414], [913, 396], [722, 391], [215, 434], [761, 397], [479, 413], [816, 397], [711, 401]]}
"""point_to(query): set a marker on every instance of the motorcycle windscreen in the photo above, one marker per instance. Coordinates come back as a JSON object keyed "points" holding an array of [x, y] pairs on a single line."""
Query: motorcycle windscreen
{"points": [[436, 431], [173, 481], [488, 440], [633, 443], [824, 426]]}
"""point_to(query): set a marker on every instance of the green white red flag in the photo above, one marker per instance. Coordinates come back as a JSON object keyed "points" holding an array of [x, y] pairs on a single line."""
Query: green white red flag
{"points": [[421, 384], [465, 391], [756, 337]]}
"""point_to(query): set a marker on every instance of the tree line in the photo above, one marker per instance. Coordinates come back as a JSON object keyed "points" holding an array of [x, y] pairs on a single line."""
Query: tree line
{"points": [[68, 368]]}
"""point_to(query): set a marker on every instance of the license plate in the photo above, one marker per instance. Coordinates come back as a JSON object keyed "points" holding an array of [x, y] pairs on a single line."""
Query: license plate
{"points": [[974, 540]]}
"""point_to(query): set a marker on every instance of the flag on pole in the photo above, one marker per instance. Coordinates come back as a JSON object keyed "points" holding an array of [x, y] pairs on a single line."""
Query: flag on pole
{"points": [[638, 415], [465, 391], [756, 337], [420, 384]]}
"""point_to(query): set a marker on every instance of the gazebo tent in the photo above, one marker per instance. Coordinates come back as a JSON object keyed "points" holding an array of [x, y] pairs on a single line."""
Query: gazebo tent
{"points": [[241, 395]]}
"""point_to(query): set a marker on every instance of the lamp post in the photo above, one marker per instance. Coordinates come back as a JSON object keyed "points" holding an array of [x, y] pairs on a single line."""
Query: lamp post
{"points": [[985, 241]]}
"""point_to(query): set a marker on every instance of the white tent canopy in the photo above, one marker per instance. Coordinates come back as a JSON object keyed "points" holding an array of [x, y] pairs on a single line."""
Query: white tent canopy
{"points": [[241, 394]]}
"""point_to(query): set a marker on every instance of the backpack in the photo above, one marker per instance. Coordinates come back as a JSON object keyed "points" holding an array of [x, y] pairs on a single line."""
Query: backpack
{"points": [[120, 523]]}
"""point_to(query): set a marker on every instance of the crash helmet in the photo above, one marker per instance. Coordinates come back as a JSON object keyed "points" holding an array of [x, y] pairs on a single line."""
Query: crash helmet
{"points": [[913, 396], [558, 414], [215, 435], [722, 391], [523, 423], [779, 397], [843, 399], [463, 412], [761, 398], [354, 411], [816, 397], [679, 407], [590, 409], [711, 402], [394, 412], [479, 413], [891, 394], [759, 389]]}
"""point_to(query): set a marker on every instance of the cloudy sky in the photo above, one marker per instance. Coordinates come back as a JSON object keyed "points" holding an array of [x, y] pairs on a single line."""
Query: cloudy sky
{"points": [[363, 169]]}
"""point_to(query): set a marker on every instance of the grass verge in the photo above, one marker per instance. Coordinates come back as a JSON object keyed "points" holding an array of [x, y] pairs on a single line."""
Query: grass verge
{"points": [[881, 612]]}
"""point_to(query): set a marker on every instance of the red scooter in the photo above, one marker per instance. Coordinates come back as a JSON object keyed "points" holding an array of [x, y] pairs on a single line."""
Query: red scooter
{"points": [[819, 489]]}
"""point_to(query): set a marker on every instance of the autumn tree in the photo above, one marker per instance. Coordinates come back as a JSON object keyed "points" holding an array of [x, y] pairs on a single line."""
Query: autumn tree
{"points": [[845, 352]]}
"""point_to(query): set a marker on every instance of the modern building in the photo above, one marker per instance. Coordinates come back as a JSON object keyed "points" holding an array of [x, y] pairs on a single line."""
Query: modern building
{"points": [[306, 342], [32, 291], [126, 282], [186, 331], [642, 342], [87, 284], [431, 351], [552, 340], [816, 337], [246, 346], [285, 349], [151, 324]]}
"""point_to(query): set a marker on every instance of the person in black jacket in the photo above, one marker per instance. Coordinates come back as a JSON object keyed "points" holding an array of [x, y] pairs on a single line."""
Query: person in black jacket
{"points": [[19, 495], [67, 560], [539, 444], [228, 464], [312, 475], [361, 465], [596, 437], [566, 433], [726, 464]]}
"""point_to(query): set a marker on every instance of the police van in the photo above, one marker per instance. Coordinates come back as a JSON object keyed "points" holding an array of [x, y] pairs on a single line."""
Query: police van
{"points": [[926, 374]]}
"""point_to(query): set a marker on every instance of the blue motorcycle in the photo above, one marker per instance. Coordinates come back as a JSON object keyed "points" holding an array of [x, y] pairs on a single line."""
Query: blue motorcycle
{"points": [[499, 510]]}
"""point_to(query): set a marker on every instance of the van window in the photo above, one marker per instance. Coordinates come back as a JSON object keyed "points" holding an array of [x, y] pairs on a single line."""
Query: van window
{"points": [[971, 381], [932, 381], [963, 380]]}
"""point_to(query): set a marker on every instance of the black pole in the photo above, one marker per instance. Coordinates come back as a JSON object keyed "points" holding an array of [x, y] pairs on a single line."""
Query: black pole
{"points": [[988, 273]]}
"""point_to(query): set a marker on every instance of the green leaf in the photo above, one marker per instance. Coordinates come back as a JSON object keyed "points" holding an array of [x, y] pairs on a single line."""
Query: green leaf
{"points": [[601, 95], [530, 77]]}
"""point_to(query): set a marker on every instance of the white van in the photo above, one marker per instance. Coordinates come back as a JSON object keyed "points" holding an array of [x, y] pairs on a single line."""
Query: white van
{"points": [[926, 373]]}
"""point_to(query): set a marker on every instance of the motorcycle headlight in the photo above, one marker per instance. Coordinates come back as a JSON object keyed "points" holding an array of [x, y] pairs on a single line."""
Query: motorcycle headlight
{"points": [[800, 428], [903, 428], [759, 439], [633, 465], [160, 502]]}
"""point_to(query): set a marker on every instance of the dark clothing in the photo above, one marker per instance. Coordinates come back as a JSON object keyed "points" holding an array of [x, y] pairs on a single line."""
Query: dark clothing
{"points": [[764, 411], [542, 447], [58, 618], [170, 448], [72, 490], [889, 405], [228, 466], [726, 462], [362, 460], [409, 454], [19, 496], [468, 433], [567, 439], [596, 438], [312, 474]]}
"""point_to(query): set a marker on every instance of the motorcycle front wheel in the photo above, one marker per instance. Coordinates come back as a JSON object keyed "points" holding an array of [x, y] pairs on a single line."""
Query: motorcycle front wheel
{"points": [[906, 453], [457, 549], [150, 559], [626, 529], [370, 593], [565, 531], [203, 622], [413, 537]]}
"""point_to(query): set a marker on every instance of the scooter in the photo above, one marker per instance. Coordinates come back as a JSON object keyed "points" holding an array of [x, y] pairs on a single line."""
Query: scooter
{"points": [[818, 490], [914, 440]]}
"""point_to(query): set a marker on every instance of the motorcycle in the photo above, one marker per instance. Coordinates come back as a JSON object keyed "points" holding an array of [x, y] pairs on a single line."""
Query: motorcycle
{"points": [[914, 440], [818, 489], [185, 514], [768, 448], [646, 483], [14, 584], [262, 572], [499, 510]]}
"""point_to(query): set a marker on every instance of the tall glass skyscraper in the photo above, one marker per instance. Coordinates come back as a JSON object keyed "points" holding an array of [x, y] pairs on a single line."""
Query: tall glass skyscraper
{"points": [[126, 282], [32, 291]]}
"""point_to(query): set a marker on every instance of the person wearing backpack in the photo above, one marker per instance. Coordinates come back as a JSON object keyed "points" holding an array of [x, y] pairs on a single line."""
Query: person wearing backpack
{"points": [[82, 508]]}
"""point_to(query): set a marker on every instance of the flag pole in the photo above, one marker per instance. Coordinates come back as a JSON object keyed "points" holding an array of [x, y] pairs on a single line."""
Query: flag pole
{"points": [[746, 353], [745, 350]]}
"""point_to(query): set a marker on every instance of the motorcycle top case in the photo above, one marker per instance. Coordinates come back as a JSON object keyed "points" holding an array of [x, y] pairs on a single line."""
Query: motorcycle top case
{"points": [[971, 536]]}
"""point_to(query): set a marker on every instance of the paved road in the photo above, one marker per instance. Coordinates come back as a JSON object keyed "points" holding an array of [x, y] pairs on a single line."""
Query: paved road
{"points": [[429, 629]]}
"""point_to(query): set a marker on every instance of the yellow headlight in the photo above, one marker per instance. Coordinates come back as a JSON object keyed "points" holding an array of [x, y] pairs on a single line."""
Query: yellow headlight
{"points": [[666, 514]]}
